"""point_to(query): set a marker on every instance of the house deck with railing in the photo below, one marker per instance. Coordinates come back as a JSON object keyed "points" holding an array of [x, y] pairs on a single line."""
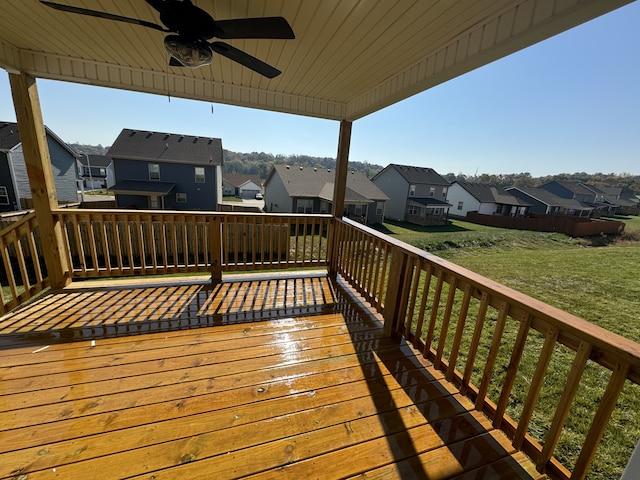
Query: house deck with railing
{"points": [[389, 361]]}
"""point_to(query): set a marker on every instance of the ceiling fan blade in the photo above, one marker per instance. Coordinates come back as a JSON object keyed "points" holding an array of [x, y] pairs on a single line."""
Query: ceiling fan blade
{"points": [[174, 62], [245, 59], [108, 16], [263, 27]]}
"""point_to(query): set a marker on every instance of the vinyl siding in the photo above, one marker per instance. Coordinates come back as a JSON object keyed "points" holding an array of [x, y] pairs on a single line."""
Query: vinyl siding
{"points": [[200, 196], [396, 188], [276, 199]]}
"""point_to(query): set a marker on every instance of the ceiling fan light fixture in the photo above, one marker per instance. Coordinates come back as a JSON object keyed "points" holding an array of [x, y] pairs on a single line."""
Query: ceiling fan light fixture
{"points": [[189, 54]]}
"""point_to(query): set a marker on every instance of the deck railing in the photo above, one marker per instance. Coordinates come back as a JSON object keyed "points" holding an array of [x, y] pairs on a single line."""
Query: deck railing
{"points": [[496, 344], [123, 243], [22, 271], [478, 332]]}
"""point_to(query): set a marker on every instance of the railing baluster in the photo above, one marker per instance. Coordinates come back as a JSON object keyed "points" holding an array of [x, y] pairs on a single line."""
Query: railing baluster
{"points": [[475, 342], [457, 339], [129, 243], [536, 386], [512, 370], [503, 310], [118, 241], [412, 302], [79, 246], [9, 271], [93, 248], [105, 244], [446, 320], [34, 252], [600, 420], [562, 410], [435, 308], [21, 261], [423, 303]]}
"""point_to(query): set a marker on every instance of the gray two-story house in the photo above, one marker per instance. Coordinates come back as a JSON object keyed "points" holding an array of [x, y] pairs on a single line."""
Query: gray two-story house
{"points": [[166, 171], [416, 194], [15, 191]]}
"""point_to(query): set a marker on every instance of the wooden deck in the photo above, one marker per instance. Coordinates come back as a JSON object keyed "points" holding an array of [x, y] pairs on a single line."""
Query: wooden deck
{"points": [[281, 378]]}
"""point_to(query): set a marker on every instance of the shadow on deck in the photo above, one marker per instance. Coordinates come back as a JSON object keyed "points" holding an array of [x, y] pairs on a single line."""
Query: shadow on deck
{"points": [[263, 378]]}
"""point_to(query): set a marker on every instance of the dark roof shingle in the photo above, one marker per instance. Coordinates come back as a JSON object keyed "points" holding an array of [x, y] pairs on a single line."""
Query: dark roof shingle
{"points": [[166, 147], [418, 175]]}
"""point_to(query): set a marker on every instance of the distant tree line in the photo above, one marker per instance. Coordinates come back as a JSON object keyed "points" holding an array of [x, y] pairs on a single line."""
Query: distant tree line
{"points": [[260, 163], [89, 149], [624, 180]]}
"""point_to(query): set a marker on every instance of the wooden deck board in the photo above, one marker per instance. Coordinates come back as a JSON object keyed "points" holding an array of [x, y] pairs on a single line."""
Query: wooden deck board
{"points": [[283, 378]]}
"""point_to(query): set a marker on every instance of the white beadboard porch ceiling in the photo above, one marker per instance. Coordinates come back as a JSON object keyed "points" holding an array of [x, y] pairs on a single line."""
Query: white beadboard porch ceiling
{"points": [[349, 57]]}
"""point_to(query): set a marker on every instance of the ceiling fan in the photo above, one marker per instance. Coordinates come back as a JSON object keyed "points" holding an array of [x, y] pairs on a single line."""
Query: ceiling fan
{"points": [[191, 27]]}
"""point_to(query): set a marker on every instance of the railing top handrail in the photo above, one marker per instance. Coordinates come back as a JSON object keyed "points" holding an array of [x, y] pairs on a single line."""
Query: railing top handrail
{"points": [[27, 218], [604, 340], [119, 211]]}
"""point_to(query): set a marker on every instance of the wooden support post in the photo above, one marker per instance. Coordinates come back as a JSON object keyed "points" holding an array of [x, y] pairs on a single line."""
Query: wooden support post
{"points": [[339, 189], [398, 283], [38, 162], [342, 163]]}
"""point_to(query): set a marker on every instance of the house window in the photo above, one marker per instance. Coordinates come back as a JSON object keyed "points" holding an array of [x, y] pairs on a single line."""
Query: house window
{"points": [[87, 170], [414, 210], [199, 174], [103, 172], [324, 206], [181, 197], [460, 205], [304, 205], [4, 196], [154, 171], [358, 210], [379, 208], [154, 202], [444, 192], [432, 191], [412, 190], [436, 211]]}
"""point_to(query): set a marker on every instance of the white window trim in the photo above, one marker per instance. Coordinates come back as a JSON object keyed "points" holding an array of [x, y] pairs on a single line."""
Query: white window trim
{"points": [[196, 176], [149, 169]]}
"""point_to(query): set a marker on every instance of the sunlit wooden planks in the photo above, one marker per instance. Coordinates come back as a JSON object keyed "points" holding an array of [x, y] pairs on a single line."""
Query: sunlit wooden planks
{"points": [[236, 398]]}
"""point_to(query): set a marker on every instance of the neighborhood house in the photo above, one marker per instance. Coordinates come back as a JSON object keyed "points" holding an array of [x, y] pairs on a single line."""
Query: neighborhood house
{"points": [[167, 171], [15, 190], [241, 185], [416, 194], [96, 171], [485, 199], [310, 190]]}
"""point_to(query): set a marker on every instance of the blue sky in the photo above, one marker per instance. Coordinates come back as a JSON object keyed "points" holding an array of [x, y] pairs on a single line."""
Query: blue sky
{"points": [[569, 104]]}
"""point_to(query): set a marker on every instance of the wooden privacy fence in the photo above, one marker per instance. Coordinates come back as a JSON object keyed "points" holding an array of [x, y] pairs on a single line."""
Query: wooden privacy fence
{"points": [[497, 345], [107, 243], [573, 226], [22, 271]]}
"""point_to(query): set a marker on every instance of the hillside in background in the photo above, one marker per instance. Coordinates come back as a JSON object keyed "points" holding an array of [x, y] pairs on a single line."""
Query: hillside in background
{"points": [[259, 163], [625, 180]]}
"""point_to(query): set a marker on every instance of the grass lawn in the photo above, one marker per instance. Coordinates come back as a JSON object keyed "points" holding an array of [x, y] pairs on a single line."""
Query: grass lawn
{"points": [[599, 284]]}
